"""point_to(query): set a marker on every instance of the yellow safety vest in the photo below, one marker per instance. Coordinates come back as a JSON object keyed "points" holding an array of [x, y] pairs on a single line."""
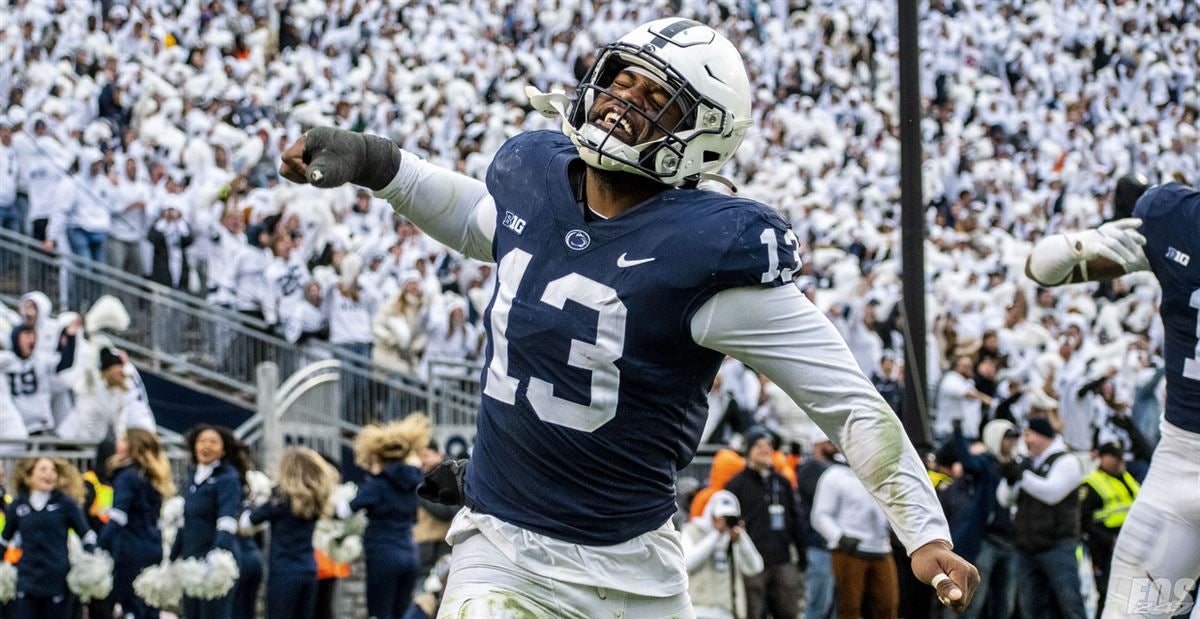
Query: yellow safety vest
{"points": [[1117, 496], [104, 497]]}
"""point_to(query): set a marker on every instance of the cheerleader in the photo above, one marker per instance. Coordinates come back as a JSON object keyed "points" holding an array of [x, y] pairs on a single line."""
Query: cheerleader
{"points": [[141, 479], [49, 491], [212, 499], [304, 484], [390, 499]]}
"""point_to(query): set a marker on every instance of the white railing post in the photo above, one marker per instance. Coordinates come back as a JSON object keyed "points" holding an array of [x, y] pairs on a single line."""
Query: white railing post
{"points": [[272, 437]]}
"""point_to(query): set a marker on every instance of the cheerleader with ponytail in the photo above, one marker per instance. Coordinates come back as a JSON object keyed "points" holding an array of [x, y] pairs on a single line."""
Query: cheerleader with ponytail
{"points": [[390, 500], [212, 498], [141, 479], [300, 498], [47, 506]]}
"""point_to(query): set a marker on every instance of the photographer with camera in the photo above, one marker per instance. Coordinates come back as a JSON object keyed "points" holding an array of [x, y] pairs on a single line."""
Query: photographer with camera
{"points": [[719, 553]]}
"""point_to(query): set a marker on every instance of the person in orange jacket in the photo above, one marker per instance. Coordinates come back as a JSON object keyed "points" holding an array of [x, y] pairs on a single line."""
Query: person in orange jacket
{"points": [[726, 464]]}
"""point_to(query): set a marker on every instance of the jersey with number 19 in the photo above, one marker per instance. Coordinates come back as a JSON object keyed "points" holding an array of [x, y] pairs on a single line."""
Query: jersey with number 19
{"points": [[1170, 217], [594, 392]]}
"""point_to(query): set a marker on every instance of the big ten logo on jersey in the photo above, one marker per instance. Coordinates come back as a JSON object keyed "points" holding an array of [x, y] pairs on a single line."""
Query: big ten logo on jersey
{"points": [[1178, 256], [513, 222]]}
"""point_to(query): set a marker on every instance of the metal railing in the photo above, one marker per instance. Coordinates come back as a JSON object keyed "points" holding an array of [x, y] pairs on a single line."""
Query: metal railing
{"points": [[82, 455], [216, 350]]}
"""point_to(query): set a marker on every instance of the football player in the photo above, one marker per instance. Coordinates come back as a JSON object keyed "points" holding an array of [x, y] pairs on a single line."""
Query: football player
{"points": [[1156, 561], [621, 288]]}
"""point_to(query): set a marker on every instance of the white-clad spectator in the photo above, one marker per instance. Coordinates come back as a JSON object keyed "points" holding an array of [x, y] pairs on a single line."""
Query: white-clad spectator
{"points": [[719, 554], [118, 403], [959, 402], [228, 243], [170, 237], [351, 310], [31, 376], [402, 326], [86, 220], [11, 217], [127, 236], [307, 319], [286, 275], [453, 340], [857, 531]]}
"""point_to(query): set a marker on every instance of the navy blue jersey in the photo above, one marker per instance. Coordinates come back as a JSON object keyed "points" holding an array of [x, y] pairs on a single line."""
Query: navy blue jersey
{"points": [[1170, 217], [291, 537], [595, 393]]}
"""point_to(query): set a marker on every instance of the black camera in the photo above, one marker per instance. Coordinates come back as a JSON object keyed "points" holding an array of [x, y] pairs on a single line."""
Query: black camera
{"points": [[732, 521]]}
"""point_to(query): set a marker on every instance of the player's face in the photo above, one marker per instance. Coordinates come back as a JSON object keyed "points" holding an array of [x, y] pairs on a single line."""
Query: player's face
{"points": [[209, 447], [636, 89], [44, 476]]}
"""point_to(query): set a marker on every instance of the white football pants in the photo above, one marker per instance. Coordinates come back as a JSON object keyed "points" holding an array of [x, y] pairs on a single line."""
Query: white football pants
{"points": [[1156, 562], [484, 583]]}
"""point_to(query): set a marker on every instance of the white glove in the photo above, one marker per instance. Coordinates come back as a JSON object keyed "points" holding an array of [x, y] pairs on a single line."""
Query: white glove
{"points": [[1118, 241]]}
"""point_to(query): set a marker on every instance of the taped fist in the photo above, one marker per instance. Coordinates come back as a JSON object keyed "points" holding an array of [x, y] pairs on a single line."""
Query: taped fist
{"points": [[329, 157]]}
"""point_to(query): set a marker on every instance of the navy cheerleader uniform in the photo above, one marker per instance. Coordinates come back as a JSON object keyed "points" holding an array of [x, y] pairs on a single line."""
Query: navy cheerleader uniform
{"points": [[291, 565], [211, 500], [250, 575], [132, 536], [390, 499], [43, 520]]}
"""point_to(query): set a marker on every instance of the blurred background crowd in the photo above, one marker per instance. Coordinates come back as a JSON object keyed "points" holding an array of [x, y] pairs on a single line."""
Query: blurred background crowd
{"points": [[147, 134]]}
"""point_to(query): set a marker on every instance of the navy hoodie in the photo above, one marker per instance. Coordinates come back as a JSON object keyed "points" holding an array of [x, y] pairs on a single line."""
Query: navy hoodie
{"points": [[390, 499]]}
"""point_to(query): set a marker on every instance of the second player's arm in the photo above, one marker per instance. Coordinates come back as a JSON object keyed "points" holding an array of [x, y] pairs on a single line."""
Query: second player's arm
{"points": [[1112, 250]]}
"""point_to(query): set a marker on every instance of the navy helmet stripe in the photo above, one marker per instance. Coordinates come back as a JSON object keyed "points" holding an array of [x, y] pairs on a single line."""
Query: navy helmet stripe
{"points": [[669, 32]]}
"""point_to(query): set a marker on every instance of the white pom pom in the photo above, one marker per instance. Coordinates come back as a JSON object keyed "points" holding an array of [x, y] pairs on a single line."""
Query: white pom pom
{"points": [[343, 493], [324, 534], [260, 488], [356, 524], [8, 582], [218, 575], [90, 577], [158, 586], [348, 550], [222, 573], [191, 575], [171, 515]]}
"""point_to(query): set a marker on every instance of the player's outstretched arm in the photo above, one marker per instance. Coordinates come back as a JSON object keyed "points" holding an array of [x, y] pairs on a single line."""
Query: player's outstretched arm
{"points": [[454, 209], [1109, 251], [782, 334]]}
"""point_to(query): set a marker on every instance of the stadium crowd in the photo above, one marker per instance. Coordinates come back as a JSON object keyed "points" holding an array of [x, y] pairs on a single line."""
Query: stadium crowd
{"points": [[147, 134]]}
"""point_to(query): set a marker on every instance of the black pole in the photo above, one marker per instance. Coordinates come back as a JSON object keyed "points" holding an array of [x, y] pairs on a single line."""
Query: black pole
{"points": [[912, 228]]}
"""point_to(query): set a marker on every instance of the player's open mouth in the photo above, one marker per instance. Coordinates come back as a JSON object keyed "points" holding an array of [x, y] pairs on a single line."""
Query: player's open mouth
{"points": [[620, 126]]}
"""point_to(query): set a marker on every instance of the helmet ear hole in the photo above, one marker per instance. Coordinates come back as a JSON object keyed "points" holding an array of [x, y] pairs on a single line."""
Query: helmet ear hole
{"points": [[711, 156]]}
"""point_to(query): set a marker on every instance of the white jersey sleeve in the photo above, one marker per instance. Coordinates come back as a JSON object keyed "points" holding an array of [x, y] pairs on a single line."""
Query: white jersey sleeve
{"points": [[781, 333], [454, 209]]}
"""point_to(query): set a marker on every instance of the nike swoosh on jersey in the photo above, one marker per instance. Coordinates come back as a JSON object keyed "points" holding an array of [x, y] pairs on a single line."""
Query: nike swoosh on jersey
{"points": [[623, 263]]}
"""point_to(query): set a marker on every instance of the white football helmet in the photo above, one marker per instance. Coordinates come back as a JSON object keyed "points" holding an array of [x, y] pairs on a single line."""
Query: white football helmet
{"points": [[704, 75]]}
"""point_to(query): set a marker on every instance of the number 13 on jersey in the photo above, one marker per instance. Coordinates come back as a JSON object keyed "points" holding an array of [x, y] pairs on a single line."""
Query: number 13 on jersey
{"points": [[599, 357]]}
